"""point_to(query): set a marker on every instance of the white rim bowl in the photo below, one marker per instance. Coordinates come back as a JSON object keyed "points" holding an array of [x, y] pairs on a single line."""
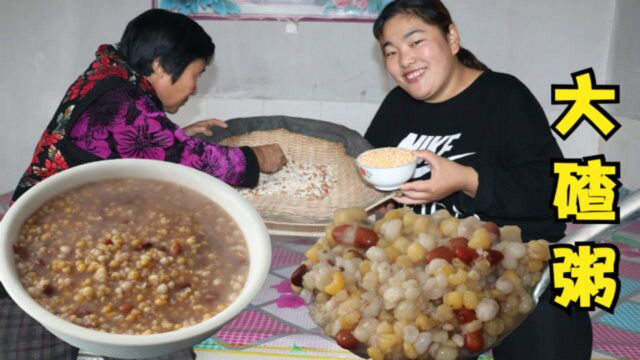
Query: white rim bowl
{"points": [[132, 346]]}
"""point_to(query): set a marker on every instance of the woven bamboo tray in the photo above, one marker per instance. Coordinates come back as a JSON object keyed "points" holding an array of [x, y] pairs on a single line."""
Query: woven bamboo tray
{"points": [[291, 215]]}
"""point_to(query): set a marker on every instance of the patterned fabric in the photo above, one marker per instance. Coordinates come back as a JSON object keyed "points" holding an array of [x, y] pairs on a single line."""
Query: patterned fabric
{"points": [[113, 112], [123, 123], [22, 338]]}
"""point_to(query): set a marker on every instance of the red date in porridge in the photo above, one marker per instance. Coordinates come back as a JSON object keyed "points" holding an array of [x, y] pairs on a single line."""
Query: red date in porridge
{"points": [[132, 256]]}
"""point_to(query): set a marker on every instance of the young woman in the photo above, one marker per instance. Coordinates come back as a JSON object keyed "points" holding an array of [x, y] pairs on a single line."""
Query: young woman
{"points": [[116, 109], [487, 149]]}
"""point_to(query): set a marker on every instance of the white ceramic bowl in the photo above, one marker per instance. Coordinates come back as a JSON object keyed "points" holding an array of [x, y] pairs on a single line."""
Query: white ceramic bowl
{"points": [[387, 178], [135, 346]]}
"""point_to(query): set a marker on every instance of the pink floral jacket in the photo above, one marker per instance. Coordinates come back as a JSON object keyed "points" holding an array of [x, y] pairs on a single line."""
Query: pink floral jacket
{"points": [[112, 112]]}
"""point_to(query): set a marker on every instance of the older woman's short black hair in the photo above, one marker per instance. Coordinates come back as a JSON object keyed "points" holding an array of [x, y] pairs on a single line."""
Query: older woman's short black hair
{"points": [[174, 39]]}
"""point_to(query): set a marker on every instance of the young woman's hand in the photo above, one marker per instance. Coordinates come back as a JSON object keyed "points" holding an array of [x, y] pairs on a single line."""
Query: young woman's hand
{"points": [[270, 157], [204, 127], [447, 177]]}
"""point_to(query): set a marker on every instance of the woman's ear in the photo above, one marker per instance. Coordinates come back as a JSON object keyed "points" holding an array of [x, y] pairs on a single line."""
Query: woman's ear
{"points": [[454, 39], [157, 68]]}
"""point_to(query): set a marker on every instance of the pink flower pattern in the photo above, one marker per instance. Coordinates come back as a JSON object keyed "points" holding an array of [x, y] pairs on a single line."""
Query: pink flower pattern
{"points": [[139, 129], [287, 299], [145, 139], [283, 287]]}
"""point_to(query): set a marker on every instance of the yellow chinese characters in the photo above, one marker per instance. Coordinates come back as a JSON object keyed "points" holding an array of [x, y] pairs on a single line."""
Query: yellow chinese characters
{"points": [[585, 274], [584, 97], [587, 191]]}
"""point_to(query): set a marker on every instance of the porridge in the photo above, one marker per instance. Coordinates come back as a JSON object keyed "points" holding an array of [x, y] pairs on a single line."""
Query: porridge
{"points": [[419, 287], [295, 179], [132, 256], [386, 157]]}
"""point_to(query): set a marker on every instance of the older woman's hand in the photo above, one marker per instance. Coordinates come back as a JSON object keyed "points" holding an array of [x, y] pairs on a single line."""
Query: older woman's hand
{"points": [[204, 127], [270, 157], [447, 177]]}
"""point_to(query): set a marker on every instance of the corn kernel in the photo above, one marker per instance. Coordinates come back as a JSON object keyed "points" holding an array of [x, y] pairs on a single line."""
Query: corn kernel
{"points": [[394, 214], [328, 234], [350, 320], [449, 227], [375, 353], [409, 351], [446, 269], [385, 315], [384, 328], [312, 254], [134, 275], [364, 267], [336, 285], [348, 255], [454, 299], [355, 294], [512, 277], [401, 243], [416, 252], [421, 224], [423, 322], [386, 342], [534, 265], [404, 261], [460, 277], [538, 250], [494, 327], [397, 329], [470, 299], [392, 253], [383, 243], [377, 225], [480, 239]]}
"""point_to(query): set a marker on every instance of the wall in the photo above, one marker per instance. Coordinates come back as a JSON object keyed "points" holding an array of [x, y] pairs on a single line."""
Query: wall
{"points": [[329, 71], [624, 69], [624, 64]]}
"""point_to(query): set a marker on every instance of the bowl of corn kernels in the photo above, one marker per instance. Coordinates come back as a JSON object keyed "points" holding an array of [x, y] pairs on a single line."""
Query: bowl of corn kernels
{"points": [[387, 168], [415, 286]]}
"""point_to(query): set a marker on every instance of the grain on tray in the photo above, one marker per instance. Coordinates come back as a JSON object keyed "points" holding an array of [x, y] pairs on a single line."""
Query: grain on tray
{"points": [[296, 179], [132, 256], [418, 287], [386, 157]]}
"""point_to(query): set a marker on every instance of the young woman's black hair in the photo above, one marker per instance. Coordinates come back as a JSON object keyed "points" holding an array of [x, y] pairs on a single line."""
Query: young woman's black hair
{"points": [[433, 12], [174, 39]]}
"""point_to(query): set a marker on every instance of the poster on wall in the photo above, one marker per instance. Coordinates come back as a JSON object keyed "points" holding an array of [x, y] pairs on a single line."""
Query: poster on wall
{"points": [[295, 10]]}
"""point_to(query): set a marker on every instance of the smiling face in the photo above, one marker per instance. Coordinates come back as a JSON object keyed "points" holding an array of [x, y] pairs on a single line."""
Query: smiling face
{"points": [[175, 94], [420, 58]]}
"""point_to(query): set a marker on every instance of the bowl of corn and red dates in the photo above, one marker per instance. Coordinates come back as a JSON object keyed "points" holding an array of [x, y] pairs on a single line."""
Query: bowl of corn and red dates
{"points": [[413, 286]]}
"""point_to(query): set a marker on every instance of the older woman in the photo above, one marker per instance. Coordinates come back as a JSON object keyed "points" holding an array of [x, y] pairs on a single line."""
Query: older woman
{"points": [[117, 108]]}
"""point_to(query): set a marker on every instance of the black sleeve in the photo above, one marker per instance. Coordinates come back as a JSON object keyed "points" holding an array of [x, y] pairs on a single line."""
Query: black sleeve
{"points": [[523, 187], [252, 169], [379, 131]]}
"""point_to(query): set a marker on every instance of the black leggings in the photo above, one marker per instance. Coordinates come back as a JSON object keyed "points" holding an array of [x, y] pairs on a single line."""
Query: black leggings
{"points": [[549, 333]]}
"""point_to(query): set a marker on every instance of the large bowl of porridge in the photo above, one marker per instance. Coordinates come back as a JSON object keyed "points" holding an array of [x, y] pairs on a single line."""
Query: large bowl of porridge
{"points": [[133, 258]]}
